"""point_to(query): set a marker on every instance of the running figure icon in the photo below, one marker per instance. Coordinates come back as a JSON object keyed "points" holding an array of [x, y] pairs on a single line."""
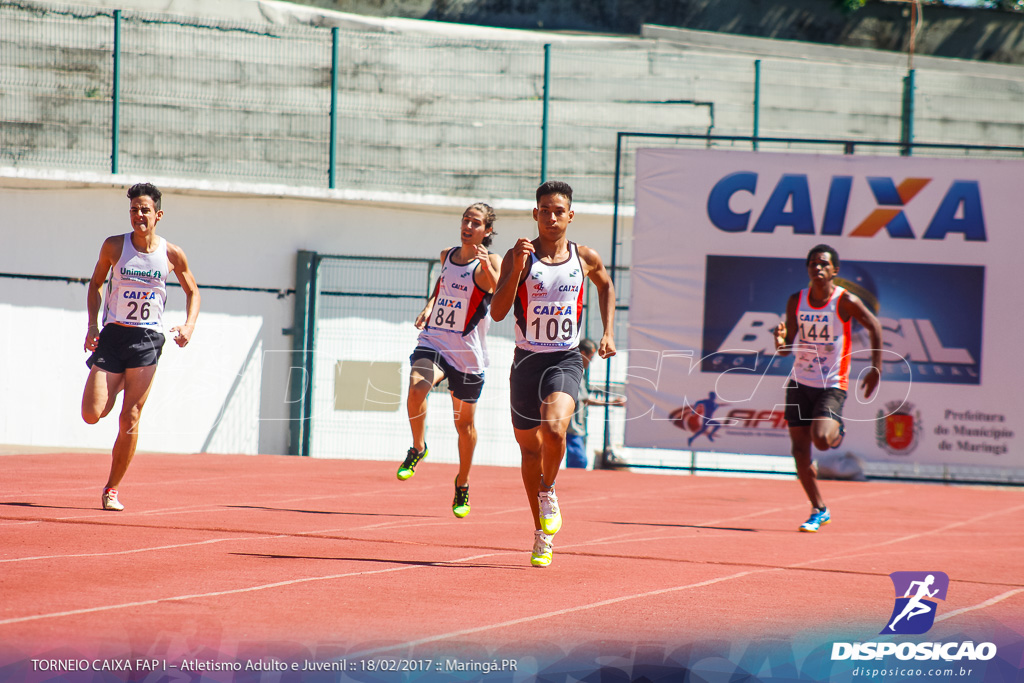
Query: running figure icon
{"points": [[916, 606]]}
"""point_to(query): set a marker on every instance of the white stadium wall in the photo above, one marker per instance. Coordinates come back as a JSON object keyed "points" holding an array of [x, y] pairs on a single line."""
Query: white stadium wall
{"points": [[227, 391]]}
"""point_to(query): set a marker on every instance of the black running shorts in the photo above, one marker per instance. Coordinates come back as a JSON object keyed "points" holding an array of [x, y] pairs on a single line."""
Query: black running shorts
{"points": [[123, 347], [804, 404], [464, 386], [535, 376]]}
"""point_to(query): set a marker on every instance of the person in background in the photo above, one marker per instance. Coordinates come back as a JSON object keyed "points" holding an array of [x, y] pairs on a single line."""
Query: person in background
{"points": [[576, 433], [817, 331]]}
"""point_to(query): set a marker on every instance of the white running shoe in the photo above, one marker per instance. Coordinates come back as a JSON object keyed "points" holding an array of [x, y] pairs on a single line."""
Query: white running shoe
{"points": [[550, 517], [110, 501]]}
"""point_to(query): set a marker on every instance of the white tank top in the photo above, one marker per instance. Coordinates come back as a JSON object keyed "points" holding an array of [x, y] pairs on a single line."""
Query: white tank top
{"points": [[822, 344], [549, 304], [137, 288], [459, 320]]}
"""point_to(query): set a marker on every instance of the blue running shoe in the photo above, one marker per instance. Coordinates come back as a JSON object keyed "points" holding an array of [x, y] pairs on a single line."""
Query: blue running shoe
{"points": [[817, 519]]}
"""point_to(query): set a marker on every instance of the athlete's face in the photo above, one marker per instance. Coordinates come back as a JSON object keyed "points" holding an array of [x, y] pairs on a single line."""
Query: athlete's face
{"points": [[553, 216], [820, 268], [473, 230], [143, 214]]}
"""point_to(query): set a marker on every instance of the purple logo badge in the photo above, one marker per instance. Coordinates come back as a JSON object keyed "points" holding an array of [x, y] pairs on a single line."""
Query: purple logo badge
{"points": [[916, 595]]}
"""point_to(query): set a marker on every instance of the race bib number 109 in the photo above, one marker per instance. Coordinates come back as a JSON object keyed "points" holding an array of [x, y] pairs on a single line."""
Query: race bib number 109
{"points": [[551, 323]]}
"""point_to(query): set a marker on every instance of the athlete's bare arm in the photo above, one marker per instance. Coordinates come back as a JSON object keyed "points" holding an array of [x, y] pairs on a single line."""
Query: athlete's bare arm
{"points": [[851, 305], [110, 254], [593, 268], [178, 261], [424, 316], [513, 268], [785, 332], [486, 275]]}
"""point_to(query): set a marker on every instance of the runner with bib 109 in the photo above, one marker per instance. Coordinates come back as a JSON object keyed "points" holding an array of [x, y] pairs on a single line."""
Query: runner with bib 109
{"points": [[544, 279]]}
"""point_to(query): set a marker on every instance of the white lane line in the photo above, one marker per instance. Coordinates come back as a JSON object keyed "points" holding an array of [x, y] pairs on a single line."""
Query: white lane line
{"points": [[558, 613], [697, 585], [139, 550], [213, 594], [910, 537], [980, 605], [570, 610]]}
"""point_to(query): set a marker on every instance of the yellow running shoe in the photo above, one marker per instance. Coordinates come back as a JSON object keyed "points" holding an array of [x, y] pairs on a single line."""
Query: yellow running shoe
{"points": [[460, 506], [550, 517], [541, 556], [408, 466]]}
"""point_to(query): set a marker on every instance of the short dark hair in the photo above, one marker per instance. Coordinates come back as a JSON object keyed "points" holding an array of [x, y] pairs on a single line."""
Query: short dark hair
{"points": [[824, 249], [555, 187], [145, 190], [588, 345], [489, 218]]}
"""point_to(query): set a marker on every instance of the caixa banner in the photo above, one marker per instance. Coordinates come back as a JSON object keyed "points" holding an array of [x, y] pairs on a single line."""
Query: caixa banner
{"points": [[720, 243]]}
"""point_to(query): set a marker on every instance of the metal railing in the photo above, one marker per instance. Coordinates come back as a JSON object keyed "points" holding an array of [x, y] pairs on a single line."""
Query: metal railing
{"points": [[146, 93]]}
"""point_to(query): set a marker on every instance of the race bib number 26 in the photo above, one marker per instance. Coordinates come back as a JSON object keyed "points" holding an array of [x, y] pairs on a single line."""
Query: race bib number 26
{"points": [[139, 307]]}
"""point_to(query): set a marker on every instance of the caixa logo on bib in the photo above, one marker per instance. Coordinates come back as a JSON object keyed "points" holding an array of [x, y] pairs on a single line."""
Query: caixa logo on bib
{"points": [[913, 613]]}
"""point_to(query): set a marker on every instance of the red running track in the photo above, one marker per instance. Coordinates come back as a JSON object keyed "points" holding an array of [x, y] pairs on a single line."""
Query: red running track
{"points": [[217, 556]]}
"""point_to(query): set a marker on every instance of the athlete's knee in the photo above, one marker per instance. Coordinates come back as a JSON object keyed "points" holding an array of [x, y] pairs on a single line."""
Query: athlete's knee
{"points": [[128, 420], [801, 455], [553, 429], [531, 457], [821, 444], [90, 416], [820, 438], [465, 426], [418, 388]]}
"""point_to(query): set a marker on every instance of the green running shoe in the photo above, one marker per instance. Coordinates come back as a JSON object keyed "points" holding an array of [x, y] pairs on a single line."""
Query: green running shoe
{"points": [[541, 556], [412, 458], [460, 506]]}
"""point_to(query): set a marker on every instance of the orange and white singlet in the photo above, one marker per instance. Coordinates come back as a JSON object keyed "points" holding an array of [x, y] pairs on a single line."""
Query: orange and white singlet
{"points": [[549, 304], [459, 319], [822, 344], [137, 288]]}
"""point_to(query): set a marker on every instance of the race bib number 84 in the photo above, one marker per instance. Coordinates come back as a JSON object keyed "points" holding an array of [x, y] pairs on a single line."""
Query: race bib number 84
{"points": [[449, 314]]}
